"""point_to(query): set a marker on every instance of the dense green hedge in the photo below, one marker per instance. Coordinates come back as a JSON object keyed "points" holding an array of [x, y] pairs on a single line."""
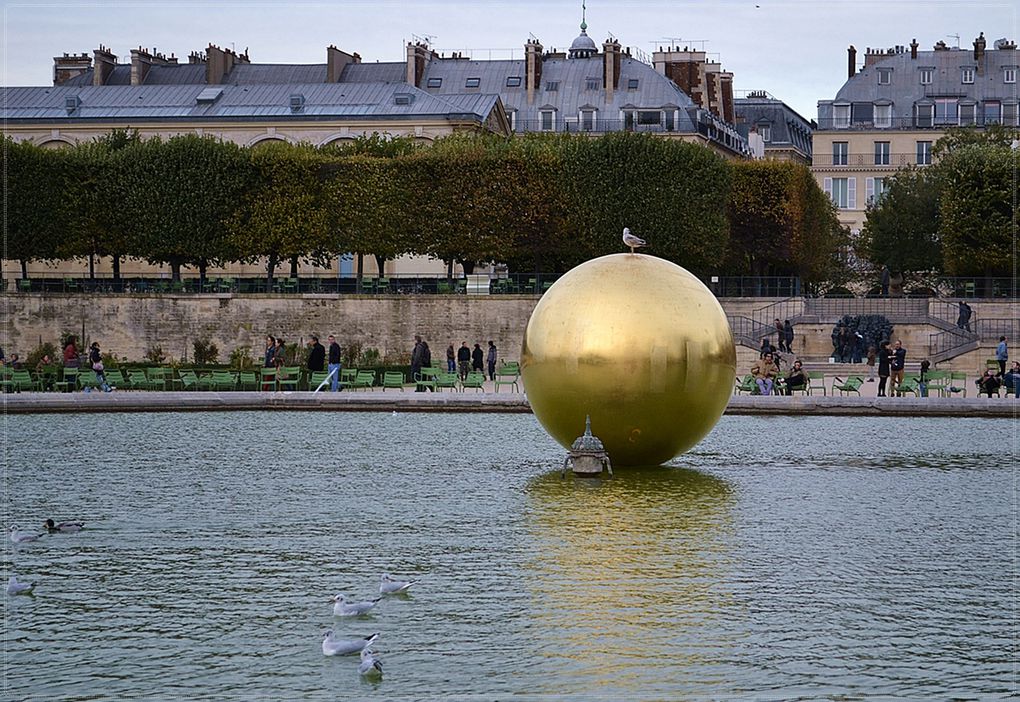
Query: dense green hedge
{"points": [[538, 203]]}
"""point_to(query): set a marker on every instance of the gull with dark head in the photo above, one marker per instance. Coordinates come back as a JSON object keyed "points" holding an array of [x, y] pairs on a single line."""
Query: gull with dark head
{"points": [[62, 527], [332, 646], [632, 241]]}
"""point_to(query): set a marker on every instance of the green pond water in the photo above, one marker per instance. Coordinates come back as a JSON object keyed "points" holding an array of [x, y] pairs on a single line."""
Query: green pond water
{"points": [[782, 558]]}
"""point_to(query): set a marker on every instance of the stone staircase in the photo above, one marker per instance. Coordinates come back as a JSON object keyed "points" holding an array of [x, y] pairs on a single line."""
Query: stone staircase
{"points": [[949, 341]]}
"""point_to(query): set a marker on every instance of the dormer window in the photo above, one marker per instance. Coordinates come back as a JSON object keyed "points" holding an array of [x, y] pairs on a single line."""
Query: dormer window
{"points": [[513, 81], [472, 82], [434, 83], [402, 98], [592, 84], [884, 76], [1009, 74], [632, 84], [764, 131], [927, 75], [967, 76], [552, 86]]}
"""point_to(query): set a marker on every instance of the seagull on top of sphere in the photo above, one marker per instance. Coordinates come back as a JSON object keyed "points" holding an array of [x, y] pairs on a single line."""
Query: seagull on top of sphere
{"points": [[632, 241]]}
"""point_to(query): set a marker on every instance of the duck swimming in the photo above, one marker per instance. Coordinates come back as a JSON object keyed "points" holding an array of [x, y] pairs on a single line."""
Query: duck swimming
{"points": [[63, 527]]}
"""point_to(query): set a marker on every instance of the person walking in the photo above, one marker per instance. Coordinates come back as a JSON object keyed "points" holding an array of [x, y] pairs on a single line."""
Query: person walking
{"points": [[780, 334], [884, 354], [463, 360], [71, 359], [1002, 355], [788, 335], [96, 359], [896, 364], [420, 357], [317, 356], [334, 363], [491, 360], [270, 352], [872, 357], [451, 360]]}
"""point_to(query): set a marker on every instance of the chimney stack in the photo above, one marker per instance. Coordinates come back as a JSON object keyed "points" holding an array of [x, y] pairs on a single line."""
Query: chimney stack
{"points": [[611, 67], [105, 63], [67, 67], [913, 49], [532, 68], [979, 47], [851, 67], [219, 62], [337, 61], [418, 56]]}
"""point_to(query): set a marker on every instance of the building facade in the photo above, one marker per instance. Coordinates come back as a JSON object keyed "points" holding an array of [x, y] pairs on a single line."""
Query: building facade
{"points": [[889, 114]]}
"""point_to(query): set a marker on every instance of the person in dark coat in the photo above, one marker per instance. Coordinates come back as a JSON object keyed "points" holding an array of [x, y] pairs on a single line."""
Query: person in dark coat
{"points": [[463, 360], [478, 358], [96, 359], [270, 353], [317, 356], [884, 356], [490, 360], [788, 335]]}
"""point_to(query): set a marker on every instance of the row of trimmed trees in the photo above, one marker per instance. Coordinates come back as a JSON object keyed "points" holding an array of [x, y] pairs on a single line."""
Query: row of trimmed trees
{"points": [[958, 216], [537, 203]]}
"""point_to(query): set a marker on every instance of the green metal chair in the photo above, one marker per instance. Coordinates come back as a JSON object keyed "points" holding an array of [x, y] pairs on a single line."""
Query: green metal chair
{"points": [[267, 379], [68, 380], [248, 380], [393, 379], [446, 380], [508, 375], [816, 381], [348, 376], [474, 379], [23, 381], [746, 384], [289, 377], [852, 385], [426, 379]]}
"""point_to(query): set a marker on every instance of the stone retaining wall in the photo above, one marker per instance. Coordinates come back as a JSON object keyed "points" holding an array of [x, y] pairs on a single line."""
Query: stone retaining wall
{"points": [[129, 325]]}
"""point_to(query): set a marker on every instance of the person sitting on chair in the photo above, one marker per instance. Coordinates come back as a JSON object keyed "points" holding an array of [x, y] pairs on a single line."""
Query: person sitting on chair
{"points": [[1011, 379], [764, 372], [797, 379], [988, 383]]}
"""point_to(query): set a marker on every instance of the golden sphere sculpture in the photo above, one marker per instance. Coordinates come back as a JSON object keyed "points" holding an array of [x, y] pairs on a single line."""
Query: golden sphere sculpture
{"points": [[638, 343]]}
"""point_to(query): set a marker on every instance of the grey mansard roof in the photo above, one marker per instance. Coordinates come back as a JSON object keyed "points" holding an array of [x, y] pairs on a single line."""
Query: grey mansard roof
{"points": [[654, 91], [787, 126], [250, 102], [905, 89]]}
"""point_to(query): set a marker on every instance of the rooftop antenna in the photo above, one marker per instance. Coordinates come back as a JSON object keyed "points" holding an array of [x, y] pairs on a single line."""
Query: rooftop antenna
{"points": [[584, 24], [533, 37], [955, 36], [426, 39]]}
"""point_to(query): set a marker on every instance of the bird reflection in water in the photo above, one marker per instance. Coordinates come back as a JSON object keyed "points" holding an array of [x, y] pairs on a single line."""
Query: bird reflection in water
{"points": [[627, 574]]}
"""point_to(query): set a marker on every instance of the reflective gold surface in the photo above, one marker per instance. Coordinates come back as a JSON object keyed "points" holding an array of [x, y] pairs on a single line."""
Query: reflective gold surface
{"points": [[638, 343]]}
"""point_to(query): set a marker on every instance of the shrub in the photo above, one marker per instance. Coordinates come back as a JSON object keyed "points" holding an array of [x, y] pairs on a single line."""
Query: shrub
{"points": [[349, 354], [241, 358], [40, 351], [206, 352], [369, 358], [155, 355]]}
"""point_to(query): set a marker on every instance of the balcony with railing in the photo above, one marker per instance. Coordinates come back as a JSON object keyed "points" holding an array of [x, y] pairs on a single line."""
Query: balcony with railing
{"points": [[869, 159], [908, 123]]}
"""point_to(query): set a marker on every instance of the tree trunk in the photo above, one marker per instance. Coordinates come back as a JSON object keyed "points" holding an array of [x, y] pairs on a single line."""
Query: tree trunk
{"points": [[270, 270], [380, 262], [361, 270], [24, 269], [92, 266], [469, 267], [116, 267], [175, 270], [293, 266], [449, 271], [202, 266]]}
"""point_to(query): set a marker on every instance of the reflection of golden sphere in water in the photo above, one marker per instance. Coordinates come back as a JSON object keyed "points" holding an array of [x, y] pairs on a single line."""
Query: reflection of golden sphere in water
{"points": [[638, 343]]}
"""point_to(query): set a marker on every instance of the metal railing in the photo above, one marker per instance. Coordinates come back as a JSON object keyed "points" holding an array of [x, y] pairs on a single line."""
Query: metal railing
{"points": [[783, 310], [893, 161], [992, 329], [754, 286], [946, 344], [894, 123], [894, 308]]}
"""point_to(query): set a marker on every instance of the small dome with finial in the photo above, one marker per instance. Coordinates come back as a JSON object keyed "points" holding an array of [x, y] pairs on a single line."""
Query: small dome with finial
{"points": [[583, 46], [587, 441]]}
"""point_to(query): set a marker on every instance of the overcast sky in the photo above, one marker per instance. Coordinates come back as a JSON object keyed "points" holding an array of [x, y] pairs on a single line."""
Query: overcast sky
{"points": [[795, 49]]}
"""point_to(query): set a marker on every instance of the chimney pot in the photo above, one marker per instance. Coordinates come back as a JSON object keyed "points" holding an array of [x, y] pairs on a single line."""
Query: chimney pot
{"points": [[851, 68], [913, 49]]}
